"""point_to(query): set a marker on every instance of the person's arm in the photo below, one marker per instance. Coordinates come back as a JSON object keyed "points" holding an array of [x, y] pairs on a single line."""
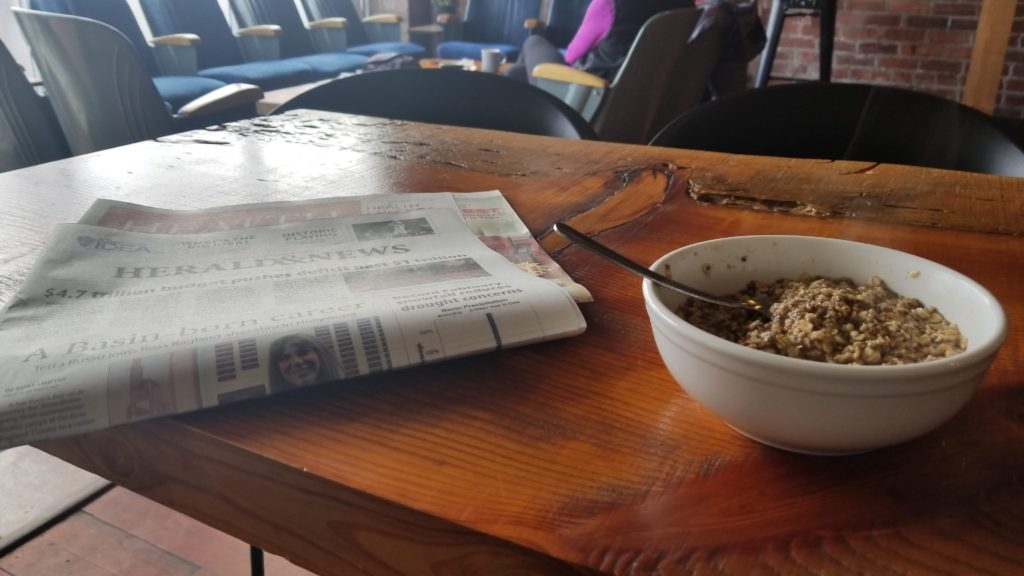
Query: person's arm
{"points": [[597, 21]]}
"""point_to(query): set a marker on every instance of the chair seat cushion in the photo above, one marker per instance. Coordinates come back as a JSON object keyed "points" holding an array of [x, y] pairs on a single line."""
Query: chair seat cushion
{"points": [[180, 90], [267, 74], [404, 48], [331, 64], [458, 50]]}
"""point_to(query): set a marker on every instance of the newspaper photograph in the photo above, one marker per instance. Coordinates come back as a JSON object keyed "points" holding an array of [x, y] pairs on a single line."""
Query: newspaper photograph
{"points": [[487, 214], [115, 326]]}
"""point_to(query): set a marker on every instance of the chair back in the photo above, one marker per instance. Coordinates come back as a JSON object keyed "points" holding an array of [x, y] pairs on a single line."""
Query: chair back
{"points": [[101, 94], [452, 97], [688, 81], [295, 39], [499, 22], [29, 133], [665, 72], [218, 46], [838, 121], [320, 9], [564, 18], [114, 13]]}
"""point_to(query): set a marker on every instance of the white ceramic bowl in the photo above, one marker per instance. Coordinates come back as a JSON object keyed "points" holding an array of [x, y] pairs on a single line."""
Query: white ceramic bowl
{"points": [[816, 407]]}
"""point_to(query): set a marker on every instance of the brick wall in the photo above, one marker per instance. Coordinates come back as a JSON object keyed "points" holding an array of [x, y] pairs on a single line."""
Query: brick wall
{"points": [[919, 44]]}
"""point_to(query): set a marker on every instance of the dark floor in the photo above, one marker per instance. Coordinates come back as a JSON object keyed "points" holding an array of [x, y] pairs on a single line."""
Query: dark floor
{"points": [[123, 534]]}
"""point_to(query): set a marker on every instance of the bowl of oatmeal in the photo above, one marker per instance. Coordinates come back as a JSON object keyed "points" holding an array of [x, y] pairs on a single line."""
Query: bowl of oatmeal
{"points": [[863, 347]]}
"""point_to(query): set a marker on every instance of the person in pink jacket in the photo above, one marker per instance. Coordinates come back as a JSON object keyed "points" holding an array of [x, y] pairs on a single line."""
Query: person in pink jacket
{"points": [[601, 42]]}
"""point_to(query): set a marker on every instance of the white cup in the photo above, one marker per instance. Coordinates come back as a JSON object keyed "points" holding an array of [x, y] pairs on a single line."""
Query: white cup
{"points": [[491, 59]]}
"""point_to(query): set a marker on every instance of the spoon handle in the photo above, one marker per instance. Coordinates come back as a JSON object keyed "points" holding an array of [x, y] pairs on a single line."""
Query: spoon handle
{"points": [[602, 250]]}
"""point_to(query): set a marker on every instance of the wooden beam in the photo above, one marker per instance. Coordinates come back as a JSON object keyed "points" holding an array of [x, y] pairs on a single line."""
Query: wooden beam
{"points": [[988, 54]]}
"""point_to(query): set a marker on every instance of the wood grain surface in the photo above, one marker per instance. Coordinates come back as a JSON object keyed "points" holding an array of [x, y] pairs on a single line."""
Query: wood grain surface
{"points": [[579, 456]]}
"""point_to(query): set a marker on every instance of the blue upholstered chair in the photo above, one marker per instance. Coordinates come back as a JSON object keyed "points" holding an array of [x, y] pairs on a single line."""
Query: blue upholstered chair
{"points": [[177, 87], [102, 94], [375, 34], [296, 41], [29, 133], [251, 56], [488, 24]]}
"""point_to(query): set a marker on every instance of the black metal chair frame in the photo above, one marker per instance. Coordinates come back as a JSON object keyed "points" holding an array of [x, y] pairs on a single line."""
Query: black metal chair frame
{"points": [[826, 11]]}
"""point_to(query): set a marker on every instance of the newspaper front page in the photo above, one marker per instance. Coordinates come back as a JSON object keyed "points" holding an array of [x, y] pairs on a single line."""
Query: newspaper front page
{"points": [[114, 326], [487, 214]]}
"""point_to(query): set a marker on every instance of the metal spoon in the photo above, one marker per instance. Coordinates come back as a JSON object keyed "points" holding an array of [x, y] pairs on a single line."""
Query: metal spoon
{"points": [[585, 241]]}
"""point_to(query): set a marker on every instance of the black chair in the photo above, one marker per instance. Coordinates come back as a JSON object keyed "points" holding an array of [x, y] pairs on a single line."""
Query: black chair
{"points": [[29, 133], [445, 96], [826, 11], [665, 73], [849, 122]]}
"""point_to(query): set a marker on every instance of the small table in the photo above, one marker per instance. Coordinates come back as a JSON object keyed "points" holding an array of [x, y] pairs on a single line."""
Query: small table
{"points": [[465, 64]]}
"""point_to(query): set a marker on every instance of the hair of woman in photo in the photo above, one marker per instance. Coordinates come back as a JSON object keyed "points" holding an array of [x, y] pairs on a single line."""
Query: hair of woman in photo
{"points": [[298, 360]]}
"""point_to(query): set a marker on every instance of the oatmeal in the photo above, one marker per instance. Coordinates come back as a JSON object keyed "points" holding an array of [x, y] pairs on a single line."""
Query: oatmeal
{"points": [[833, 321]]}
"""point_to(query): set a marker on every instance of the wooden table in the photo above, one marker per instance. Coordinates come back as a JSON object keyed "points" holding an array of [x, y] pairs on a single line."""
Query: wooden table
{"points": [[579, 456], [464, 63]]}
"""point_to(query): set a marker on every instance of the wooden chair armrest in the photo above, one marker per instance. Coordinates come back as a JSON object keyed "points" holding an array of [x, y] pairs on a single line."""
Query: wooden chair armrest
{"points": [[569, 75], [222, 98], [176, 40], [176, 54], [329, 23], [383, 19], [261, 30], [445, 19], [329, 34]]}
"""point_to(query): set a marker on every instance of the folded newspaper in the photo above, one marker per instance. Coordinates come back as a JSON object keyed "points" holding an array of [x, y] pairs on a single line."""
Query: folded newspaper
{"points": [[137, 312]]}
